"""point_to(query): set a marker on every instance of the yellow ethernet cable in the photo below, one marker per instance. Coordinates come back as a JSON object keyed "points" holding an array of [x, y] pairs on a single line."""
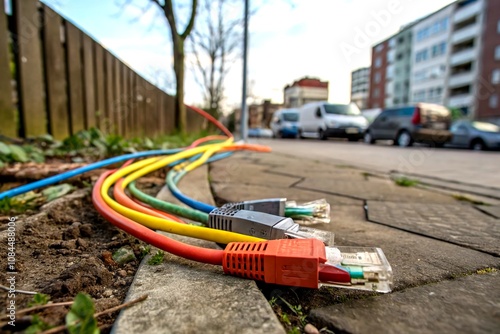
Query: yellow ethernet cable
{"points": [[146, 166]]}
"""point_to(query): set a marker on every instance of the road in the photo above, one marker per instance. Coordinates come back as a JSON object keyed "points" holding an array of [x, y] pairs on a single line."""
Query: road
{"points": [[455, 165]]}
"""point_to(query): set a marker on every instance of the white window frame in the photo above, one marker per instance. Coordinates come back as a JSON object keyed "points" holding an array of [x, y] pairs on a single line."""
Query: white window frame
{"points": [[495, 76], [497, 52], [493, 102]]}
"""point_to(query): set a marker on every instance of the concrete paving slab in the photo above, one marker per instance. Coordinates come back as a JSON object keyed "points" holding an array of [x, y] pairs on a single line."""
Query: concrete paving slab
{"points": [[233, 192], [459, 224], [492, 192], [468, 304], [491, 210], [190, 297], [235, 172], [281, 163], [373, 189], [415, 259]]}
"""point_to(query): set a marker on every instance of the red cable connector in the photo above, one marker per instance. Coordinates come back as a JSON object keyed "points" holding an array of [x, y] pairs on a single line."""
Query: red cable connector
{"points": [[292, 262], [308, 263]]}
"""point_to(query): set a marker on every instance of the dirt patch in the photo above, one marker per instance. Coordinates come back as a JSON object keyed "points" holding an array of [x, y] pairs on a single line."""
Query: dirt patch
{"points": [[66, 248]]}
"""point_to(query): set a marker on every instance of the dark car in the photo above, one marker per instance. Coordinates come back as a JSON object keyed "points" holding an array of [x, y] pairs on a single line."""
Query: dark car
{"points": [[475, 135], [423, 123]]}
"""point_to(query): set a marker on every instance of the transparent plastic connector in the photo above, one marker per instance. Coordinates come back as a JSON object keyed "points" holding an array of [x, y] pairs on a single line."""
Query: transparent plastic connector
{"points": [[304, 232], [361, 268], [314, 212], [264, 225]]}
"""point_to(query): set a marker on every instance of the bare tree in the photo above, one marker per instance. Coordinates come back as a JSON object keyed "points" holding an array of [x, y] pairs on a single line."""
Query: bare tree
{"points": [[178, 38], [214, 44]]}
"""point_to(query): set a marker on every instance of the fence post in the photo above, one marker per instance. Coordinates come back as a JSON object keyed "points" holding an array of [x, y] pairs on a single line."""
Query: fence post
{"points": [[8, 126], [30, 73], [55, 75], [75, 80], [89, 80]]}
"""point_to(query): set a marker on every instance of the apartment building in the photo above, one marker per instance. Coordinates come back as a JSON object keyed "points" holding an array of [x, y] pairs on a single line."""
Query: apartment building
{"points": [[399, 71], [487, 90], [450, 57], [376, 98], [430, 57], [305, 90], [360, 86]]}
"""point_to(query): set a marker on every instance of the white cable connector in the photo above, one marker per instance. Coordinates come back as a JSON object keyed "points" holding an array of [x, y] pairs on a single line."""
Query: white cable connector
{"points": [[313, 212], [264, 225]]}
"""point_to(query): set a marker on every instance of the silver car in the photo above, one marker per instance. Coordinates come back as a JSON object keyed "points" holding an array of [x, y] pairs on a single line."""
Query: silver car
{"points": [[475, 135]]}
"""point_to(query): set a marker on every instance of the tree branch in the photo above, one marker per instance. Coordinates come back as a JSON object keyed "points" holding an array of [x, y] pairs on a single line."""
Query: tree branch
{"points": [[191, 19]]}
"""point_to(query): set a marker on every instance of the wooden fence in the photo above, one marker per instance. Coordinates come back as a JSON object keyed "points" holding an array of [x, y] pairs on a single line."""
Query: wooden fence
{"points": [[56, 79]]}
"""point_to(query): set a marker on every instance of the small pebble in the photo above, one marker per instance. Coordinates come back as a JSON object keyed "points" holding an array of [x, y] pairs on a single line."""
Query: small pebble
{"points": [[108, 293], [310, 329], [122, 273]]}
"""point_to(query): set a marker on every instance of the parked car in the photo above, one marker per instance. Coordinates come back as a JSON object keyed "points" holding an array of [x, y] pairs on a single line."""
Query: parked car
{"points": [[284, 123], [260, 133], [475, 135], [371, 114], [423, 122], [323, 120]]}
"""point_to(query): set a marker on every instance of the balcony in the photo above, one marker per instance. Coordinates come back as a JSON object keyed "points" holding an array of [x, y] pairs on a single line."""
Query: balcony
{"points": [[464, 56], [461, 100], [467, 33], [462, 79], [467, 12]]}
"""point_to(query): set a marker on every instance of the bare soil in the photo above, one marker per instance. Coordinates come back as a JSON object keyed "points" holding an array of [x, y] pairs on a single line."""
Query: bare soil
{"points": [[66, 248]]}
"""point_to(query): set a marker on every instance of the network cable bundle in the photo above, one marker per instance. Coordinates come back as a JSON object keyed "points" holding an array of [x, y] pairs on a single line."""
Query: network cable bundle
{"points": [[266, 239]]}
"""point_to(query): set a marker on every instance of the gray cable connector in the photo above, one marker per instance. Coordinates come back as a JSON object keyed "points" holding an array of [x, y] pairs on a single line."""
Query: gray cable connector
{"points": [[273, 206], [263, 225]]}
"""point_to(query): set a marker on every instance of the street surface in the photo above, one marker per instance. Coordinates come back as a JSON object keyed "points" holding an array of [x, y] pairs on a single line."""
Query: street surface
{"points": [[455, 165]]}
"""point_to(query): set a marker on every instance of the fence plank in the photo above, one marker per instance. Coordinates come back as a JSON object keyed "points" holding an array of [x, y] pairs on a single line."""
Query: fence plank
{"points": [[169, 110], [141, 102], [134, 104], [75, 78], [55, 75], [161, 114], [8, 126], [89, 82], [109, 92], [151, 112], [126, 100], [29, 60], [99, 84], [117, 104]]}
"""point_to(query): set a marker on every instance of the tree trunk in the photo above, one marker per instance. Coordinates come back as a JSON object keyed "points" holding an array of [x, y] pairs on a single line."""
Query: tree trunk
{"points": [[180, 108]]}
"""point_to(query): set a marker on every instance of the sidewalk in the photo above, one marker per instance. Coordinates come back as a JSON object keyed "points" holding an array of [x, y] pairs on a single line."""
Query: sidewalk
{"points": [[435, 244], [443, 253]]}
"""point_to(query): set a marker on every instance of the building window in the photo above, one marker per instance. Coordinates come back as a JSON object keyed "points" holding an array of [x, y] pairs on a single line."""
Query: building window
{"points": [[497, 53], [378, 62], [494, 101], [422, 55], [376, 92], [498, 27], [379, 47], [495, 77], [438, 49], [378, 77]]}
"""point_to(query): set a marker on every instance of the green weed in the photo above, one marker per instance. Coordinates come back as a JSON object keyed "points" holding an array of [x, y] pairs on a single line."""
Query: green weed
{"points": [[157, 258], [405, 182]]}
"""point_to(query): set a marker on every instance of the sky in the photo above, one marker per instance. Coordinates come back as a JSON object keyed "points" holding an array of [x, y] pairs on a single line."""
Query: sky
{"points": [[288, 39]]}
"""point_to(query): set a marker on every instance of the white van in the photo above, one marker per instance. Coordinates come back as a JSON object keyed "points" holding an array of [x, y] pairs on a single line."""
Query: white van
{"points": [[323, 120], [284, 123]]}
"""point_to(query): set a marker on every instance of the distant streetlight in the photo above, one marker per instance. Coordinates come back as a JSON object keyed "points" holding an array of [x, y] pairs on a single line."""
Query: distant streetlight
{"points": [[244, 107]]}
